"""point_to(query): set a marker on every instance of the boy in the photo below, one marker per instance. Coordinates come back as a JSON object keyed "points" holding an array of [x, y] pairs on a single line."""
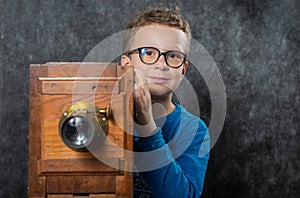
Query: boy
{"points": [[157, 48]]}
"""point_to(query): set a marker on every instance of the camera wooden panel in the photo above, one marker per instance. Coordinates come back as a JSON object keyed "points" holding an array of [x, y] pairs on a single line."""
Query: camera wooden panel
{"points": [[83, 166], [52, 145], [55, 170], [79, 184]]}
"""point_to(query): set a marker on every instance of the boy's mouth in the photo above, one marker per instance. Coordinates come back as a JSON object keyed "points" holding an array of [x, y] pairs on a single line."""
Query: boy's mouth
{"points": [[159, 80]]}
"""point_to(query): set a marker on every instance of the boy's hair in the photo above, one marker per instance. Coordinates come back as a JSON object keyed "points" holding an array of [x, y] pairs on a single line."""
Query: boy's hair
{"points": [[161, 16]]}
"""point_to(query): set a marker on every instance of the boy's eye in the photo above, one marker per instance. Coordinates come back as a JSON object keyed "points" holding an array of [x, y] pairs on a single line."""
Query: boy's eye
{"points": [[148, 52], [175, 55], [151, 53]]}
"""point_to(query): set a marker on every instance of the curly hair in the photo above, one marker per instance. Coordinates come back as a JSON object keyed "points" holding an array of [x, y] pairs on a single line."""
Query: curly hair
{"points": [[161, 16]]}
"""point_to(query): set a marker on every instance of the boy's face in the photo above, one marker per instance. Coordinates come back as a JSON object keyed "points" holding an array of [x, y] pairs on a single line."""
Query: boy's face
{"points": [[161, 78]]}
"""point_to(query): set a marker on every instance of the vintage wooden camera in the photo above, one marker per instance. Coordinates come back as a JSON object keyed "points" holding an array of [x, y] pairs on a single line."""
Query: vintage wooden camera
{"points": [[74, 125]]}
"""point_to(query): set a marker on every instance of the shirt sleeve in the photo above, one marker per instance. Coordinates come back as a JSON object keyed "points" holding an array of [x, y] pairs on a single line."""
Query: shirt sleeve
{"points": [[181, 164]]}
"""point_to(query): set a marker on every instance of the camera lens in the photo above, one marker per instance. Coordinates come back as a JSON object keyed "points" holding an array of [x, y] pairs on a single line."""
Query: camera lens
{"points": [[77, 131], [82, 126]]}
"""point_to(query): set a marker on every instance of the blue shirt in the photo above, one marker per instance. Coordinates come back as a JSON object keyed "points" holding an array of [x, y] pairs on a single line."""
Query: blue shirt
{"points": [[174, 159]]}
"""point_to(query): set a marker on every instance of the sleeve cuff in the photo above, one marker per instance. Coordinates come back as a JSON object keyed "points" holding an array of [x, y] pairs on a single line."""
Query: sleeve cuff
{"points": [[153, 142]]}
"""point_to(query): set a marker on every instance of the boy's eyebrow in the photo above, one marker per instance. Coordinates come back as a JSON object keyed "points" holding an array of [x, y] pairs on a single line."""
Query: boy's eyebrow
{"points": [[160, 49], [165, 50]]}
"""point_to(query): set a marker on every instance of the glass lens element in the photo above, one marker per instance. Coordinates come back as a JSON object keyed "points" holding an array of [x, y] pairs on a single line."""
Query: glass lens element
{"points": [[77, 130], [174, 59], [149, 55]]}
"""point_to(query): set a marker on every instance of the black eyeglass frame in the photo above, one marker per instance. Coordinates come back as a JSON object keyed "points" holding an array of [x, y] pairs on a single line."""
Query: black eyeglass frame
{"points": [[160, 53]]}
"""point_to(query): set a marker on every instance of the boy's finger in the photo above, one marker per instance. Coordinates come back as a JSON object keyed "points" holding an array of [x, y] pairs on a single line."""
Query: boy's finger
{"points": [[137, 99]]}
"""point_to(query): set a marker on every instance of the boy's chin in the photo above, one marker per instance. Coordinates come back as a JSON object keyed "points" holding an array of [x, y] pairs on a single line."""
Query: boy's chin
{"points": [[159, 91]]}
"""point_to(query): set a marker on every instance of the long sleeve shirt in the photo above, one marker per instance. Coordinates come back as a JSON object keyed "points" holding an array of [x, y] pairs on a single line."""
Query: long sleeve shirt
{"points": [[173, 161]]}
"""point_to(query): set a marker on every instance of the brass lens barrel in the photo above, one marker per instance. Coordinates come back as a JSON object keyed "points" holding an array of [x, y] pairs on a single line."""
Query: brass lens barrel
{"points": [[83, 124]]}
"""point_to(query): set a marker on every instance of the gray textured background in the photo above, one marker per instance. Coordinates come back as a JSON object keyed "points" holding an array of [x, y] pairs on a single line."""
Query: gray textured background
{"points": [[255, 43]]}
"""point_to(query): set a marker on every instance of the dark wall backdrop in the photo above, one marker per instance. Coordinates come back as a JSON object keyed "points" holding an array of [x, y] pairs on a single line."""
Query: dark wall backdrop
{"points": [[255, 44]]}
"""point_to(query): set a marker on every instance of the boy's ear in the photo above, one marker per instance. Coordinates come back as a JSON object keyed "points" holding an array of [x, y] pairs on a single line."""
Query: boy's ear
{"points": [[125, 60], [185, 66]]}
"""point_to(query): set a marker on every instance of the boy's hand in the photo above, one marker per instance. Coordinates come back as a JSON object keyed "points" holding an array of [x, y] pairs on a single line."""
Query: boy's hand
{"points": [[145, 124]]}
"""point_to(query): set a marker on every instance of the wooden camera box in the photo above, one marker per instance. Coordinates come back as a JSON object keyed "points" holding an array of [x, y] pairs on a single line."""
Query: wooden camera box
{"points": [[80, 127]]}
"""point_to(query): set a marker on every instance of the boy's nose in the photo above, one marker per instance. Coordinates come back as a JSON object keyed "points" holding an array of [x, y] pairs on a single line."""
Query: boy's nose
{"points": [[161, 63]]}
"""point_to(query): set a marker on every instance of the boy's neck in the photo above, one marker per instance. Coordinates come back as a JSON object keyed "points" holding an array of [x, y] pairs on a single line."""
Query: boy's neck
{"points": [[162, 106]]}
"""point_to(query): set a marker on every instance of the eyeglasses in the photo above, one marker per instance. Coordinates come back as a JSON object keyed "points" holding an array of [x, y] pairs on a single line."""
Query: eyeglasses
{"points": [[150, 55]]}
